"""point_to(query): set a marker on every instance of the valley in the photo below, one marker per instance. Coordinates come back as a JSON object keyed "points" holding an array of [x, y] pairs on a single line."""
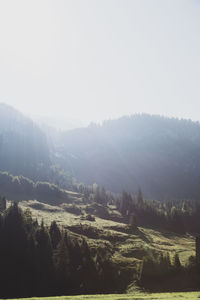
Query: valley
{"points": [[137, 235], [99, 149], [125, 245]]}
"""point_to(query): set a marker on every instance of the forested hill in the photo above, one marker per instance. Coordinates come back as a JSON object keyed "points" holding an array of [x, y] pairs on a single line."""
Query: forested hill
{"points": [[162, 155], [23, 146]]}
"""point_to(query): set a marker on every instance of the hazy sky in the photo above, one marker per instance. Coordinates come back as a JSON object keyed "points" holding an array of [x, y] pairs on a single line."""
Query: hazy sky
{"points": [[100, 59]]}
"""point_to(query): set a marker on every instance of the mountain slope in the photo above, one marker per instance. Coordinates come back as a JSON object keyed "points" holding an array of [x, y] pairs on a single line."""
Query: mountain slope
{"points": [[23, 146], [161, 155]]}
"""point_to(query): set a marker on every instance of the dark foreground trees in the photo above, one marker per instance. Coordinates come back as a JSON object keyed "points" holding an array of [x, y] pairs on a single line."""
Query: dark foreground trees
{"points": [[40, 261]]}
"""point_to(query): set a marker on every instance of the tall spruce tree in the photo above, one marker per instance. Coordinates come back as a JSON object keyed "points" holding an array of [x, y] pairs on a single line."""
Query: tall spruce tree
{"points": [[55, 234], [2, 203], [197, 243], [61, 262]]}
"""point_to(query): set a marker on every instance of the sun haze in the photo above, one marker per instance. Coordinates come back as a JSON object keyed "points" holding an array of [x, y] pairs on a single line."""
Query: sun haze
{"points": [[98, 59]]}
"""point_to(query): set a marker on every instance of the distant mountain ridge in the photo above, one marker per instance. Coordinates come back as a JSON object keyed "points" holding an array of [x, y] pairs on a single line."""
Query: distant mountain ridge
{"points": [[159, 154]]}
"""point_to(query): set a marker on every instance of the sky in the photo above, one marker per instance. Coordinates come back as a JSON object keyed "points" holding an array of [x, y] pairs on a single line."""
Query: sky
{"points": [[92, 60]]}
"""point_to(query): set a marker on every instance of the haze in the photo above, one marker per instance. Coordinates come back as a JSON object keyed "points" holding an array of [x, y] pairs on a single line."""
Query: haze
{"points": [[98, 59]]}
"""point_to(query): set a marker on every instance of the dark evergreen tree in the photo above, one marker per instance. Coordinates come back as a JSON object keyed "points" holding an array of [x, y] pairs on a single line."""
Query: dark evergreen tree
{"points": [[197, 243], [139, 198], [97, 195], [45, 261], [176, 262], [2, 203], [55, 234], [133, 221], [62, 269]]}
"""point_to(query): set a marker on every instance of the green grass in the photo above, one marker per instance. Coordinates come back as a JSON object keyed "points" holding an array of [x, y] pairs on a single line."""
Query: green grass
{"points": [[140, 296], [128, 249], [126, 246]]}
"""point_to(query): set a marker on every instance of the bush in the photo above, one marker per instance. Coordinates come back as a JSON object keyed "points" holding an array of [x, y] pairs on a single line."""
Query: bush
{"points": [[90, 218]]}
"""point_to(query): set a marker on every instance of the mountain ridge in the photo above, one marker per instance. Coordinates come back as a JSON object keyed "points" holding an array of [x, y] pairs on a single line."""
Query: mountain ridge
{"points": [[159, 154], [139, 146], [23, 146]]}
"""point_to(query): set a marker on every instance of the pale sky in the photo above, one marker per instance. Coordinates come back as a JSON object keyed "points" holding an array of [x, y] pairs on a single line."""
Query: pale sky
{"points": [[99, 59]]}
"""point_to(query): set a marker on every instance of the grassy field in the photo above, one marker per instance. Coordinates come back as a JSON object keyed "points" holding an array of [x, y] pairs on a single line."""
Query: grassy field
{"points": [[126, 248], [140, 296]]}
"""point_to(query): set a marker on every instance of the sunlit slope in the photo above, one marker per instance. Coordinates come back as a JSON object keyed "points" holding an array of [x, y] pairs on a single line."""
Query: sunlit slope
{"points": [[161, 155], [127, 247]]}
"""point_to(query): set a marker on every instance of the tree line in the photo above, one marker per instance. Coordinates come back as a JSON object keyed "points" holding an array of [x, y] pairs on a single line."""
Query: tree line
{"points": [[20, 187], [178, 216]]}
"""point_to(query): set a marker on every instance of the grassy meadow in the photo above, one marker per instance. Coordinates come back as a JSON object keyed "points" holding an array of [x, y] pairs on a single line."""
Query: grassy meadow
{"points": [[129, 248], [140, 296]]}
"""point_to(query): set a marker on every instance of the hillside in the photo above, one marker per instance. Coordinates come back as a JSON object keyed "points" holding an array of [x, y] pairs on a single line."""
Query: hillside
{"points": [[27, 150], [161, 155], [23, 146], [128, 247], [88, 246], [125, 247], [158, 154]]}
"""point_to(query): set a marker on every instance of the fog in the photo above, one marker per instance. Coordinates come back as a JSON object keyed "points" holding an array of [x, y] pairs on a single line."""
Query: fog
{"points": [[98, 59]]}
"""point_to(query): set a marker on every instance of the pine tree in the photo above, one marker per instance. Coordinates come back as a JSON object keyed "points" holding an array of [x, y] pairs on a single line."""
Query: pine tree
{"points": [[61, 263], [133, 221], [55, 234], [2, 203], [103, 196], [139, 198], [16, 247], [97, 195], [44, 259], [124, 203], [176, 262], [197, 242]]}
